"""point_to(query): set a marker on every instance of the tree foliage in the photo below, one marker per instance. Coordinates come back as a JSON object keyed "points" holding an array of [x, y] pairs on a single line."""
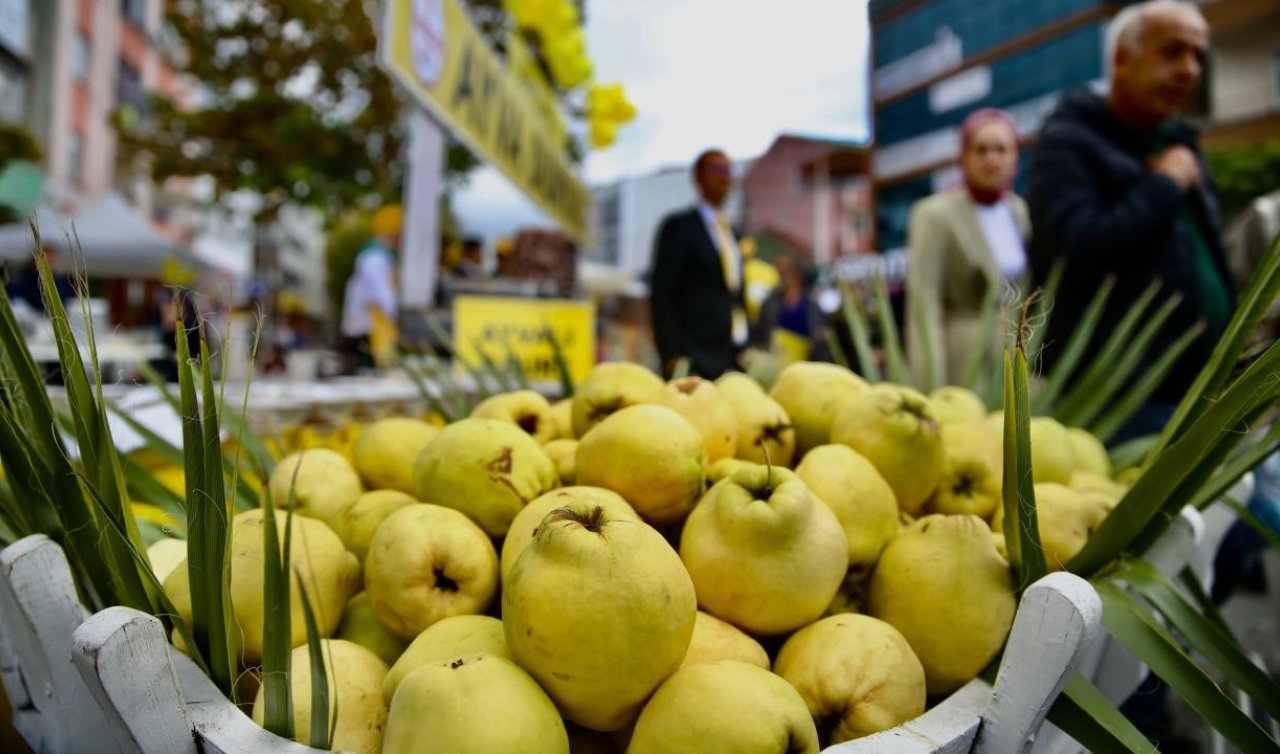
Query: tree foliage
{"points": [[290, 102], [1242, 174]]}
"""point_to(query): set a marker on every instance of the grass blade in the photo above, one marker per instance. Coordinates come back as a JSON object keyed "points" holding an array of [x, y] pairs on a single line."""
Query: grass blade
{"points": [[447, 340], [1217, 647], [1264, 286], [321, 734], [1133, 354], [1140, 393], [1098, 374], [223, 647], [1074, 349], [1021, 521], [1192, 586], [144, 486], [858, 332], [894, 361], [1083, 713], [419, 380], [1138, 631]]}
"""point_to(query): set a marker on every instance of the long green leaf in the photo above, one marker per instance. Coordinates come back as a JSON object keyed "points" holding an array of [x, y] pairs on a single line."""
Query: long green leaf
{"points": [[1135, 523], [1131, 452], [96, 448], [491, 368], [1235, 469], [514, 367], [920, 334], [245, 496], [1140, 393], [1264, 286], [895, 362], [560, 360], [1083, 713], [205, 559], [277, 631], [1253, 522], [321, 714], [1042, 309], [144, 486], [1191, 584], [1139, 632], [1074, 349], [1219, 648], [837, 351], [981, 356], [223, 629], [14, 516], [472, 371], [1021, 519], [681, 369], [418, 378], [858, 332], [1134, 354], [1097, 375]]}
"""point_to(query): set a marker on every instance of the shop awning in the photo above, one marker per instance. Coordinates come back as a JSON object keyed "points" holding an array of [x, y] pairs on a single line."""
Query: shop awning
{"points": [[115, 239]]}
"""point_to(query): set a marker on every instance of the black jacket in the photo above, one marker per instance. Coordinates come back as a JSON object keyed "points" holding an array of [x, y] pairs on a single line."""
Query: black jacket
{"points": [[689, 302], [1095, 204]]}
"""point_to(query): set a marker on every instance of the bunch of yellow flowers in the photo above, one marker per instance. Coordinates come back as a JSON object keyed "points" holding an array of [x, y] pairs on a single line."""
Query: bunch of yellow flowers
{"points": [[607, 108], [556, 22]]}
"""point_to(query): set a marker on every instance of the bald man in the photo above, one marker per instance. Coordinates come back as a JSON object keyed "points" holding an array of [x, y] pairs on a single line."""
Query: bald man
{"points": [[1119, 187]]}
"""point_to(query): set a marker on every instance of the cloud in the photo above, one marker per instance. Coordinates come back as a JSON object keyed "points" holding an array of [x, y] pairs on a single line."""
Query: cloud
{"points": [[708, 72]]}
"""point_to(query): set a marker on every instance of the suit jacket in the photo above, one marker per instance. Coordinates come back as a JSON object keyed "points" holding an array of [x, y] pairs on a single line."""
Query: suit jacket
{"points": [[689, 302], [952, 268]]}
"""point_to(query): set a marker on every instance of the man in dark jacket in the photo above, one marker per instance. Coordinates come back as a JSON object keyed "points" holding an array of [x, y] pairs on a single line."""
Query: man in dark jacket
{"points": [[695, 298], [1119, 187]]}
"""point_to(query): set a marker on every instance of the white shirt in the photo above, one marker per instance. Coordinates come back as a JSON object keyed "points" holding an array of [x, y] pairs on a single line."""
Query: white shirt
{"points": [[371, 284], [1004, 237]]}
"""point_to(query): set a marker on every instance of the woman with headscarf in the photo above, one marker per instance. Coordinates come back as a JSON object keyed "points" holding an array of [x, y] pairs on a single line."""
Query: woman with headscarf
{"points": [[963, 242]]}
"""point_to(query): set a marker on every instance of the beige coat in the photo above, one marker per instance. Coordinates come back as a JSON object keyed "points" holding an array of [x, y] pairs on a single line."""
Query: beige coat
{"points": [[950, 271]]}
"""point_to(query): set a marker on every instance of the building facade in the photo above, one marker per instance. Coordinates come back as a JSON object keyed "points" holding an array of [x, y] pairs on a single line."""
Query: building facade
{"points": [[935, 61], [626, 215], [812, 195]]}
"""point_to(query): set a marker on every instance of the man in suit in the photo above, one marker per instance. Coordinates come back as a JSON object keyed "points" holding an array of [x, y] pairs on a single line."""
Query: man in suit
{"points": [[696, 299]]}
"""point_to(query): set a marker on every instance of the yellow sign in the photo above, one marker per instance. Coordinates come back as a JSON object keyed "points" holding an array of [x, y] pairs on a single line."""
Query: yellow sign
{"points": [[493, 324], [434, 50]]}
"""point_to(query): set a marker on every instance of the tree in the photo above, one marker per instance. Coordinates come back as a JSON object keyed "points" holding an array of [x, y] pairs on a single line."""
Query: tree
{"points": [[290, 103], [1242, 174]]}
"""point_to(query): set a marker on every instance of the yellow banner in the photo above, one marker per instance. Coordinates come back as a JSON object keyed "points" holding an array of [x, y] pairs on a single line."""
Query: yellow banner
{"points": [[491, 324], [436, 53]]}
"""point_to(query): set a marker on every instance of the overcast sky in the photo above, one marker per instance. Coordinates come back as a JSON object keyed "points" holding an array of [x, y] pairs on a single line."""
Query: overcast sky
{"points": [[729, 73]]}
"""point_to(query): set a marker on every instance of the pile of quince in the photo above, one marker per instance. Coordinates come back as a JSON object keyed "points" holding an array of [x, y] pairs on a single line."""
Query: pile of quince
{"points": [[659, 567]]}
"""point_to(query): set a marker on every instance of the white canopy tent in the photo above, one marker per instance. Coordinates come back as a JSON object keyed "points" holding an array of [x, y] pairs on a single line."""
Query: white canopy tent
{"points": [[115, 240]]}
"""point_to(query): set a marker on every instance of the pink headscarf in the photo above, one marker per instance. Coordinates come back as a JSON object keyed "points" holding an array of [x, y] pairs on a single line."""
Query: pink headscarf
{"points": [[975, 120]]}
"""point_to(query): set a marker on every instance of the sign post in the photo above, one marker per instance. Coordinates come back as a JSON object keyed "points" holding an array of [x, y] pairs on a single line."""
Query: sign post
{"points": [[420, 240]]}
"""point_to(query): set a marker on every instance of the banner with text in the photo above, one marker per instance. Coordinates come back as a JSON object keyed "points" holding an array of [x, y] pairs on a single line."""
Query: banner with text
{"points": [[436, 53], [519, 327]]}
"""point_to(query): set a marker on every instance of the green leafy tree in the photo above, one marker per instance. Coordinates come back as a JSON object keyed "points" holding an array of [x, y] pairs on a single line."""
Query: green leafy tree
{"points": [[290, 103], [1244, 173]]}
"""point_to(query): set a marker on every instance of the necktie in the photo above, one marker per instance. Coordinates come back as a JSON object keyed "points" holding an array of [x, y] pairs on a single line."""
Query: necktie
{"points": [[732, 274]]}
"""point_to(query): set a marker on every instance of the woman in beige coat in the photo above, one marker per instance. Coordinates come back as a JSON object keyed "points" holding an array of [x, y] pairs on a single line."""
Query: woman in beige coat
{"points": [[963, 242]]}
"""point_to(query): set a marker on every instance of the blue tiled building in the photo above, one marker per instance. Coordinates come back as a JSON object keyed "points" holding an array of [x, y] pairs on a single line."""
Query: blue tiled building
{"points": [[935, 61]]}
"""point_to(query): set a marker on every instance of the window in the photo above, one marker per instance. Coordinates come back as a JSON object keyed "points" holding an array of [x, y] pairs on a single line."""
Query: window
{"points": [[80, 58], [135, 12], [129, 89], [75, 157]]}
